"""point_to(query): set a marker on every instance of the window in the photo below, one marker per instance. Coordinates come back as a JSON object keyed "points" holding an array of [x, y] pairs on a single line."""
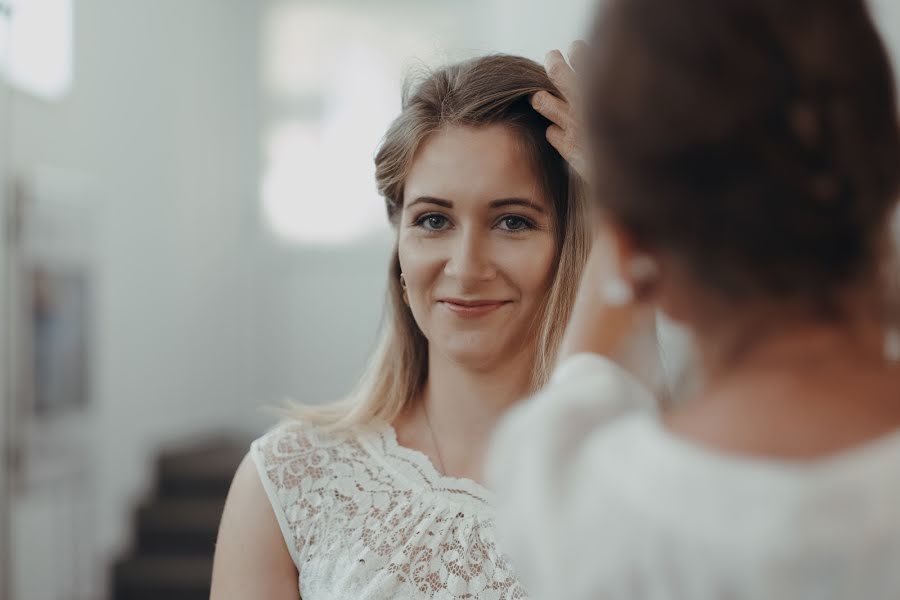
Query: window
{"points": [[331, 78], [36, 46]]}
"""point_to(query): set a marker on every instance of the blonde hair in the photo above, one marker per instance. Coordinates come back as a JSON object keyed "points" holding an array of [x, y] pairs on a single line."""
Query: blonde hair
{"points": [[484, 91]]}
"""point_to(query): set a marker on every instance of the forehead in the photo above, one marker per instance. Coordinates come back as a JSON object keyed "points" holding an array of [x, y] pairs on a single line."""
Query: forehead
{"points": [[467, 164]]}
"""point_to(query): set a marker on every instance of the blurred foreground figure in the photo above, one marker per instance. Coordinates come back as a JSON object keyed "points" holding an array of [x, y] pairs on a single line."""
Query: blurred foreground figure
{"points": [[745, 158]]}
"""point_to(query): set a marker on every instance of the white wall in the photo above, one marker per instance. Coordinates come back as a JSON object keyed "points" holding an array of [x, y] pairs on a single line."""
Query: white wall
{"points": [[5, 512], [163, 118], [532, 27]]}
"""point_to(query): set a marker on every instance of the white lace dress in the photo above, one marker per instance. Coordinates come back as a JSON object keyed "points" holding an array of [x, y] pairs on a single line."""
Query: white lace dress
{"points": [[365, 518]]}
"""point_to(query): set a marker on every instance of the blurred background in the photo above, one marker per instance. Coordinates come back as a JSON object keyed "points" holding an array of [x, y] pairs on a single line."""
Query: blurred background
{"points": [[189, 232]]}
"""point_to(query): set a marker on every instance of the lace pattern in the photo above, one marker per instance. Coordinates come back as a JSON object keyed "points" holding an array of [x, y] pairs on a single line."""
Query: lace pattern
{"points": [[366, 518]]}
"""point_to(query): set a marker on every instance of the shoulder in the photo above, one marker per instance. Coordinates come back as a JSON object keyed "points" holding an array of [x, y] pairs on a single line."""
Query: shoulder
{"points": [[302, 466], [293, 436], [546, 465], [283, 488], [252, 558], [293, 450], [586, 393]]}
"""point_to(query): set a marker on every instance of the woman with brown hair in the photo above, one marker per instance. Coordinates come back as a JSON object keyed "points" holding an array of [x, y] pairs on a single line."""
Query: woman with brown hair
{"points": [[379, 496], [746, 161]]}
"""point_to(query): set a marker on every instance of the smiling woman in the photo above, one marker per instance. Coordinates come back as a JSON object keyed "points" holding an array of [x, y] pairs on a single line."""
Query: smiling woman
{"points": [[477, 267], [468, 139], [378, 495]]}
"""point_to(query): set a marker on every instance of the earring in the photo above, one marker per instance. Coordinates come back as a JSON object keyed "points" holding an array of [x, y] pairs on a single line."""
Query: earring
{"points": [[403, 287], [642, 270], [617, 292]]}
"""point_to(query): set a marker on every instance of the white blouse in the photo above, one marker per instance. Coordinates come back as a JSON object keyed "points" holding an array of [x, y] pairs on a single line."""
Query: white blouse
{"points": [[365, 518], [598, 500]]}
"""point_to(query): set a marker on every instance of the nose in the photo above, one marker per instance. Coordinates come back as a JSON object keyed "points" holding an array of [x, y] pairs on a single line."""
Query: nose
{"points": [[470, 259]]}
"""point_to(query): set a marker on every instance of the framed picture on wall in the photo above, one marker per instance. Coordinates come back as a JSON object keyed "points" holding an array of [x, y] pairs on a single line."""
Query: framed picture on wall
{"points": [[59, 315], [53, 275]]}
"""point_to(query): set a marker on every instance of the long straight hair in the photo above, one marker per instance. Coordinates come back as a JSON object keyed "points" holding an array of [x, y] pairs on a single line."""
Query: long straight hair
{"points": [[490, 90]]}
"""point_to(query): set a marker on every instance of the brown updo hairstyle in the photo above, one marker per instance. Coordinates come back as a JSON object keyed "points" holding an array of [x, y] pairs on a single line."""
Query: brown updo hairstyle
{"points": [[754, 141]]}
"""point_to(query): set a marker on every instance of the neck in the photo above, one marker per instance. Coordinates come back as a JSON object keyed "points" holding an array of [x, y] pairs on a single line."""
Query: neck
{"points": [[463, 406], [793, 341], [780, 385], [473, 400]]}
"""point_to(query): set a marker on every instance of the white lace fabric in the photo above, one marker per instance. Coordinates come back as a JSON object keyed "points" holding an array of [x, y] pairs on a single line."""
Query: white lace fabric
{"points": [[366, 518]]}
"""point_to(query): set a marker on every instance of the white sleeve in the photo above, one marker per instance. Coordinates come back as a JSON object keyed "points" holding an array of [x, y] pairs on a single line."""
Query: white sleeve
{"points": [[539, 443]]}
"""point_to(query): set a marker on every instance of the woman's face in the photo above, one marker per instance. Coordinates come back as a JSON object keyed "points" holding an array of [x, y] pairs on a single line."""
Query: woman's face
{"points": [[476, 245]]}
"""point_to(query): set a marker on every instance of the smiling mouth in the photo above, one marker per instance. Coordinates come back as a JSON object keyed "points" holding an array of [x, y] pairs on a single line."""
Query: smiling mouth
{"points": [[476, 308]]}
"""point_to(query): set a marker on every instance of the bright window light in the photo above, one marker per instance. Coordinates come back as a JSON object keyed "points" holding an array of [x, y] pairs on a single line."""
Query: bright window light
{"points": [[319, 180], [36, 47], [332, 77]]}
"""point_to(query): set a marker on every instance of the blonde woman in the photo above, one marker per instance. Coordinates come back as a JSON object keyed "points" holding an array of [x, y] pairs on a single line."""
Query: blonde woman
{"points": [[380, 495]]}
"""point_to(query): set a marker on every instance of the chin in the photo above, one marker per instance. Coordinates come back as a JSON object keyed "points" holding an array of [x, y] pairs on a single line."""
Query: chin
{"points": [[477, 351]]}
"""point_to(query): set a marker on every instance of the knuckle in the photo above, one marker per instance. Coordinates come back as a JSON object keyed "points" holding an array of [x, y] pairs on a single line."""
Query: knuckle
{"points": [[555, 69]]}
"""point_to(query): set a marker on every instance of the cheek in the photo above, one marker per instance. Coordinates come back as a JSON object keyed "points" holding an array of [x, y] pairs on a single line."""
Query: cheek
{"points": [[532, 267], [420, 265]]}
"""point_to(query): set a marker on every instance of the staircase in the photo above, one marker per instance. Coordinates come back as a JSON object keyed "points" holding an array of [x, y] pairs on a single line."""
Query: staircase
{"points": [[177, 526]]}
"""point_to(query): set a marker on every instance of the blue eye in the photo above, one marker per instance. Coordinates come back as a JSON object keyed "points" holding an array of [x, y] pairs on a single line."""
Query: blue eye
{"points": [[516, 223], [432, 222]]}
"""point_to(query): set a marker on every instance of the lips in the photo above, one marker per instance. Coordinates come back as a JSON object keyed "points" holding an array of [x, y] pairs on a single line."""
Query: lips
{"points": [[471, 308]]}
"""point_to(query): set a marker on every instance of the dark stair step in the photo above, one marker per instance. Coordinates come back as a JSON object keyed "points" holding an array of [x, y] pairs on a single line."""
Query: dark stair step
{"points": [[176, 528], [204, 470], [155, 578], [179, 526]]}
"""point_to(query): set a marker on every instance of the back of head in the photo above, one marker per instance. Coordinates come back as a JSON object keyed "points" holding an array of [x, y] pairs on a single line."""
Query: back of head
{"points": [[756, 141]]}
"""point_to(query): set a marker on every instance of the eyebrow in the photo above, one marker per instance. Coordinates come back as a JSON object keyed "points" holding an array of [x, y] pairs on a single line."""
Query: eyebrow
{"points": [[501, 203]]}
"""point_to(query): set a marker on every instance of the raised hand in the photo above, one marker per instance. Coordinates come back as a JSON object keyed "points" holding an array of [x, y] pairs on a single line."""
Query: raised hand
{"points": [[566, 133]]}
